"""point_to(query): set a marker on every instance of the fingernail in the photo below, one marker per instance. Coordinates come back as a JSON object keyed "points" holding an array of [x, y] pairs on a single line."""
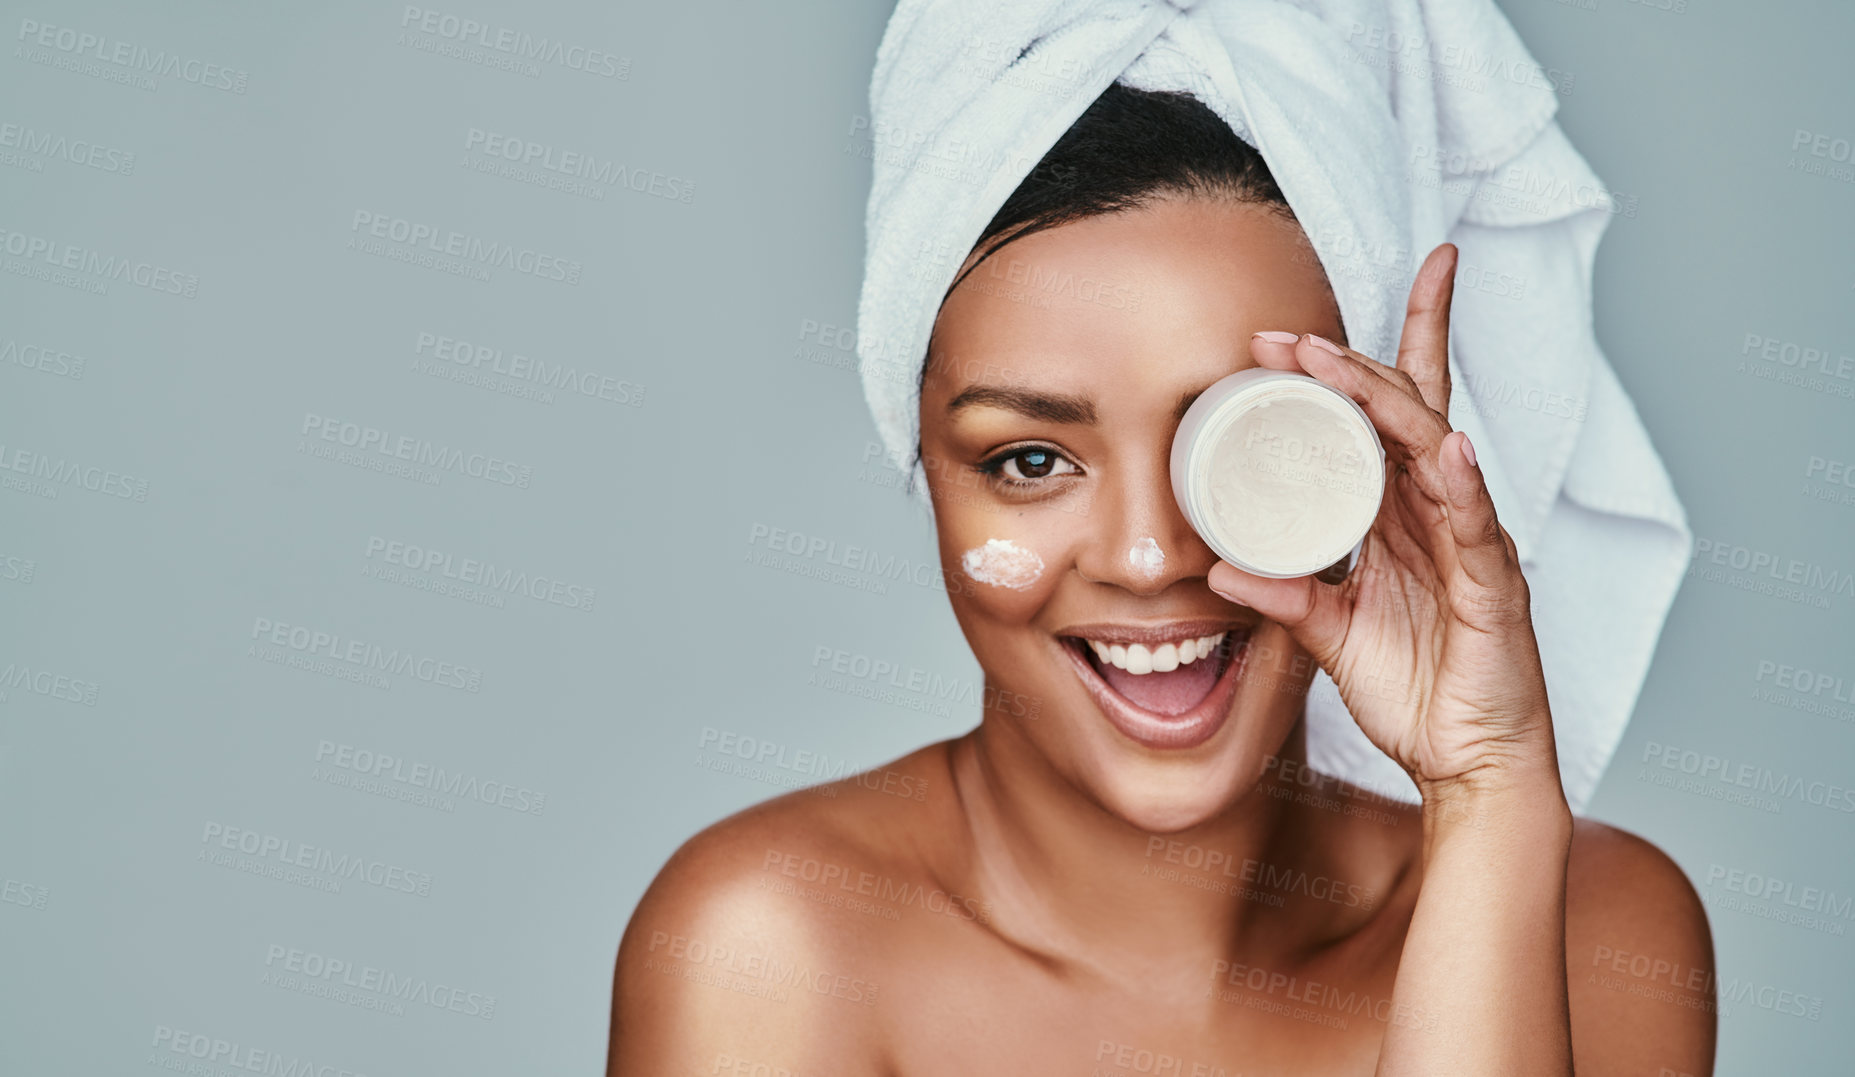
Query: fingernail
{"points": [[1468, 451], [1324, 344], [1226, 596], [1276, 336]]}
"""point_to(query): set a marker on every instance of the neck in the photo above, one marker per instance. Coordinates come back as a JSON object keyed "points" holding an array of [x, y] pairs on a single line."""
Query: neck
{"points": [[1068, 879]]}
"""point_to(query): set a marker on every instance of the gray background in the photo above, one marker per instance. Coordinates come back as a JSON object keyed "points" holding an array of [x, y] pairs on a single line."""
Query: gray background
{"points": [[121, 916]]}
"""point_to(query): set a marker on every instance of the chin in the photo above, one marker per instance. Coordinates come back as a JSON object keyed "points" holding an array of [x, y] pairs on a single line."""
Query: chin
{"points": [[1170, 802]]}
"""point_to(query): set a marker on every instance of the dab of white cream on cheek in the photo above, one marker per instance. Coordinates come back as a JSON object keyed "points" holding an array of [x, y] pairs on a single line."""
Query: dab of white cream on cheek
{"points": [[1003, 563], [1147, 558]]}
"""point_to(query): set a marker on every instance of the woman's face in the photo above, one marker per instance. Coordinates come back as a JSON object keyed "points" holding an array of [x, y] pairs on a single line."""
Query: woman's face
{"points": [[1061, 367]]}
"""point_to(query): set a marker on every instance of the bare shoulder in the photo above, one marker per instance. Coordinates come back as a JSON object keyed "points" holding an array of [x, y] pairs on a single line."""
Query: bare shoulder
{"points": [[1639, 959], [749, 950]]}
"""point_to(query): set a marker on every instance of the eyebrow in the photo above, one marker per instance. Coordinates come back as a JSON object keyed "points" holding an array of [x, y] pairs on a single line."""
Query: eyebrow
{"points": [[1048, 407], [1045, 407]]}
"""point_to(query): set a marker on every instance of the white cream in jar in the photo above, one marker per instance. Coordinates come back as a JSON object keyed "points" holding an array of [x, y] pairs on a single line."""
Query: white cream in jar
{"points": [[1280, 473]]}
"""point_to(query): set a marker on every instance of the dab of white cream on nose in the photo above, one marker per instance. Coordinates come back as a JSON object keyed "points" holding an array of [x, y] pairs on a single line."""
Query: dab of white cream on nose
{"points": [[1147, 558], [1003, 563]]}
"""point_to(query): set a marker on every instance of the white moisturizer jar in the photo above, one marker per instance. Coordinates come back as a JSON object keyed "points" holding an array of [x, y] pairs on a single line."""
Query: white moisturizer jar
{"points": [[1280, 473]]}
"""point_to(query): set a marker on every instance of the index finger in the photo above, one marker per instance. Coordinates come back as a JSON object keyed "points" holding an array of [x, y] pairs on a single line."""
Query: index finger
{"points": [[1274, 350], [1423, 349]]}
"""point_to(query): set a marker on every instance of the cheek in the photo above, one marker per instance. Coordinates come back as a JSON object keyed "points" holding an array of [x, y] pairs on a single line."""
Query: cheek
{"points": [[1008, 574]]}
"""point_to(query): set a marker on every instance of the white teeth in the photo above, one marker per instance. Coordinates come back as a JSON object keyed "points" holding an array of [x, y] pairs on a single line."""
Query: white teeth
{"points": [[1137, 658]]}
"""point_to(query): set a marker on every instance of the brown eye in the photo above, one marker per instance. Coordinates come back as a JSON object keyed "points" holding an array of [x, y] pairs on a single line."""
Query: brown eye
{"points": [[1032, 464], [1027, 465]]}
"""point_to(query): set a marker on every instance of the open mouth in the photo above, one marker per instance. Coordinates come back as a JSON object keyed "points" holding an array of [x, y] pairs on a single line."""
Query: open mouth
{"points": [[1173, 694]]}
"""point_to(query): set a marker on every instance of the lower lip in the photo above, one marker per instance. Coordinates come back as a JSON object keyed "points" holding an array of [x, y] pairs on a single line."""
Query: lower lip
{"points": [[1171, 731]]}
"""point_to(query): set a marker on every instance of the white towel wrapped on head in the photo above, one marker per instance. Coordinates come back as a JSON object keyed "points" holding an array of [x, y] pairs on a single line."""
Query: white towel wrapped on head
{"points": [[1390, 126]]}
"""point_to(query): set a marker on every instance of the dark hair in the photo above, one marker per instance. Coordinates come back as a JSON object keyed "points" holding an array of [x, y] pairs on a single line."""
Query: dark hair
{"points": [[1128, 147]]}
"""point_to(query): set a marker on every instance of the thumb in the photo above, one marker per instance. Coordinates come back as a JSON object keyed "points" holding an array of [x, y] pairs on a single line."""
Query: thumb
{"points": [[1314, 613]]}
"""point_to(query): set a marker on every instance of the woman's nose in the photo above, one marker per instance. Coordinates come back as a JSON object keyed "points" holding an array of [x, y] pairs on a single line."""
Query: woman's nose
{"points": [[1135, 537]]}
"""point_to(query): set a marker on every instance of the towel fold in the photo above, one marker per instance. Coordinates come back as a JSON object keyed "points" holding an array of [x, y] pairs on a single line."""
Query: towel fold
{"points": [[1390, 126]]}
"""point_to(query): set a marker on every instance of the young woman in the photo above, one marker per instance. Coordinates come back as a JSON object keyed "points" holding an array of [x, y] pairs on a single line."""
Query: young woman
{"points": [[1138, 874]]}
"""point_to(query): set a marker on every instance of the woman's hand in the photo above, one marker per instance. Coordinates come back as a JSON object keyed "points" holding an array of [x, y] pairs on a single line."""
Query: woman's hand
{"points": [[1430, 638], [1430, 641]]}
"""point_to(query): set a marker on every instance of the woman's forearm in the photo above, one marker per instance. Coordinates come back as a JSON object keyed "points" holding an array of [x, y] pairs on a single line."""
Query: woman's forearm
{"points": [[1481, 985]]}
